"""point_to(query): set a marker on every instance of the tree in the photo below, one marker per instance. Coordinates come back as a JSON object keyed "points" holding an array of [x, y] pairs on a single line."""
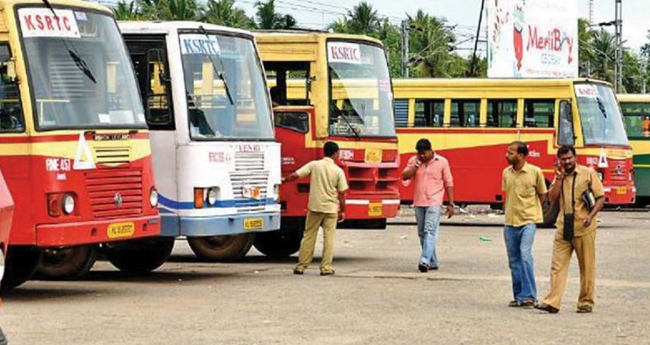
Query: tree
{"points": [[126, 11], [363, 19], [269, 19], [224, 12], [431, 40], [603, 47], [586, 54]]}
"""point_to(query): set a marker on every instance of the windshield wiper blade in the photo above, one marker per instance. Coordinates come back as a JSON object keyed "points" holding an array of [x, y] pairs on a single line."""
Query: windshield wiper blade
{"points": [[601, 107], [82, 65], [356, 134], [48, 5], [221, 73]]}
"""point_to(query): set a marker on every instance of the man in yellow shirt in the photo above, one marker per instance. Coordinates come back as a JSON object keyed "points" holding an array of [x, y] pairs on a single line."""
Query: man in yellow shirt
{"points": [[525, 188], [576, 230], [326, 199]]}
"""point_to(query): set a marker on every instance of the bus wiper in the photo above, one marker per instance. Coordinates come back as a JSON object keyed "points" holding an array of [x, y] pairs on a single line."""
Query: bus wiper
{"points": [[601, 107], [356, 134], [220, 74], [78, 61]]}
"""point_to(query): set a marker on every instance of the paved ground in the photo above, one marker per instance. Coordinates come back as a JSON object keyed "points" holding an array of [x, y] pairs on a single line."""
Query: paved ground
{"points": [[376, 297]]}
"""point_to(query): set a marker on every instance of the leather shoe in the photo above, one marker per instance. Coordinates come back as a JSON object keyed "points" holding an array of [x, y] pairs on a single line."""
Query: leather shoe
{"points": [[327, 273], [547, 308], [297, 271], [423, 268]]}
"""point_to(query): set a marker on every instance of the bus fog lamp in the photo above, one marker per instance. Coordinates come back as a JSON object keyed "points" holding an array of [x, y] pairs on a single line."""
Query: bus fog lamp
{"points": [[68, 204], [153, 197], [213, 196]]}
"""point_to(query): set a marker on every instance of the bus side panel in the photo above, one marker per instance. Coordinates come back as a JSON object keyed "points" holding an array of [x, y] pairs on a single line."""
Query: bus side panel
{"points": [[163, 147], [294, 195]]}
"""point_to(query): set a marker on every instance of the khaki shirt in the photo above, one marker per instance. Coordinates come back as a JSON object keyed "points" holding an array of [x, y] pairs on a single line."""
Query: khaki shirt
{"points": [[327, 180], [586, 177], [523, 189]]}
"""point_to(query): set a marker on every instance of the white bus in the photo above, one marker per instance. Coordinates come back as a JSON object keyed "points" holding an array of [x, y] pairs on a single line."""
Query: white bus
{"points": [[214, 151]]}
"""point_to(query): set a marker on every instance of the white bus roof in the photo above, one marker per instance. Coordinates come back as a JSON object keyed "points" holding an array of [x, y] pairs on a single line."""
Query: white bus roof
{"points": [[162, 27]]}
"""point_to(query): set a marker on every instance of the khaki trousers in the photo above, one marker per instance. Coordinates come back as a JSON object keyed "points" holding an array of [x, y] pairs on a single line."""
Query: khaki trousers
{"points": [[314, 221], [585, 248]]}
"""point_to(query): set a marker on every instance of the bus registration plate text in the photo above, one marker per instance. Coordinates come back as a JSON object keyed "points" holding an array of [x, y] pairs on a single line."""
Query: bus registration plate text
{"points": [[621, 190], [253, 223], [121, 230], [373, 156], [375, 209]]}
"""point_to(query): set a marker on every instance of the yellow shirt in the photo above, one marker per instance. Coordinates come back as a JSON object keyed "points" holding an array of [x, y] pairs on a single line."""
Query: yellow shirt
{"points": [[327, 180], [522, 190], [586, 177]]}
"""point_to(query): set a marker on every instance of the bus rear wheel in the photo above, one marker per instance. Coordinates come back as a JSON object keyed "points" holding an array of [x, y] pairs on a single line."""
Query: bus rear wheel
{"points": [[21, 264], [221, 248], [278, 244], [140, 256], [68, 262]]}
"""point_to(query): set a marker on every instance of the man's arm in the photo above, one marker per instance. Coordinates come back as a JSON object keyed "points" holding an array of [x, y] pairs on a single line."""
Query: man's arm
{"points": [[294, 176], [599, 193], [448, 181], [302, 172], [542, 191], [341, 206], [556, 186], [411, 168], [450, 207]]}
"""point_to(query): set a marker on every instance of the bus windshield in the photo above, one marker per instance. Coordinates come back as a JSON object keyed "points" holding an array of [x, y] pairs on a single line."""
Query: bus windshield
{"points": [[361, 97], [79, 71], [602, 123], [225, 88]]}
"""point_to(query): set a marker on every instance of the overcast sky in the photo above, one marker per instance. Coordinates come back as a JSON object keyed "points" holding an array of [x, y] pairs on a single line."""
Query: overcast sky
{"points": [[464, 13]]}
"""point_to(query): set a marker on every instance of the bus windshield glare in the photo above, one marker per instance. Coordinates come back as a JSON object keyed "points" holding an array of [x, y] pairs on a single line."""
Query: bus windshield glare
{"points": [[225, 88], [361, 98], [80, 73], [602, 123]]}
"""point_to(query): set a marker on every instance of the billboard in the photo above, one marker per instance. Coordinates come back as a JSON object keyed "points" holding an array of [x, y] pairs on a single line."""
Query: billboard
{"points": [[532, 38]]}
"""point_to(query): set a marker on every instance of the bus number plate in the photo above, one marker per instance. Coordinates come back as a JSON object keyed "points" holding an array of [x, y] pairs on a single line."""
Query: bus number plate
{"points": [[621, 190], [375, 209], [373, 156], [253, 223], [121, 230]]}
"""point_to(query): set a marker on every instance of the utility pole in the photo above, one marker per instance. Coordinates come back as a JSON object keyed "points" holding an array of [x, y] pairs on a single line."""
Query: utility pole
{"points": [[405, 49], [478, 32], [618, 60]]}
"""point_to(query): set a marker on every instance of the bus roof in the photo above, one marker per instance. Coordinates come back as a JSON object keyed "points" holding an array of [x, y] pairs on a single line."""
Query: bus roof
{"points": [[290, 36], [78, 3], [488, 82], [633, 97], [164, 27]]}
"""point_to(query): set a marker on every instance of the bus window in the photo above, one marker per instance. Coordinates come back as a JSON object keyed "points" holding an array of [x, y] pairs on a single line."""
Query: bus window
{"points": [[289, 82], [502, 113], [565, 130], [11, 112], [637, 119], [295, 121], [429, 112], [401, 112], [539, 113], [465, 113]]}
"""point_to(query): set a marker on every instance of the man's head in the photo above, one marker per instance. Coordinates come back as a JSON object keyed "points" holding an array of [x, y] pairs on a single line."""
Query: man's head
{"points": [[647, 117], [567, 156], [425, 152], [517, 152], [331, 150]]}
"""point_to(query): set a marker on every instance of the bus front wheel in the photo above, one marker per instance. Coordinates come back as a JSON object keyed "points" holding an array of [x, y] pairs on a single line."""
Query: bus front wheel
{"points": [[278, 244], [140, 256], [21, 264], [68, 262], [221, 248]]}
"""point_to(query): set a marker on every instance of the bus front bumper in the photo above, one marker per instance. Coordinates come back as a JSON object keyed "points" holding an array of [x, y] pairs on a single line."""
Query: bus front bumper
{"points": [[620, 195], [173, 225], [78, 233]]}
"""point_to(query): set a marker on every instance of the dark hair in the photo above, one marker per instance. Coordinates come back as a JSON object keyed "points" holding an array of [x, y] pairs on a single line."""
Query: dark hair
{"points": [[423, 145], [330, 148], [564, 149], [522, 147]]}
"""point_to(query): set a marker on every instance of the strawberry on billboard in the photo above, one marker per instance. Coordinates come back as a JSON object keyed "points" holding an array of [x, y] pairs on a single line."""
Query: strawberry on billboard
{"points": [[532, 39]]}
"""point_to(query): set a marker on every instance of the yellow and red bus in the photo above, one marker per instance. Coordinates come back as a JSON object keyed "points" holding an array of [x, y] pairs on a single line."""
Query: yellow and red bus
{"points": [[330, 68], [74, 144], [472, 121], [636, 112]]}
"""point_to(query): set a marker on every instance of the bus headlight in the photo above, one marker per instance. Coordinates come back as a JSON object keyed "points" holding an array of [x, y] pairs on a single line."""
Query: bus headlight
{"points": [[213, 196], [276, 191], [153, 197], [68, 204]]}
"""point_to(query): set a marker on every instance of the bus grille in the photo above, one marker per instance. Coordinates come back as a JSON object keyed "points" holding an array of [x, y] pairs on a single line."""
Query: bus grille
{"points": [[115, 192], [249, 171], [112, 155]]}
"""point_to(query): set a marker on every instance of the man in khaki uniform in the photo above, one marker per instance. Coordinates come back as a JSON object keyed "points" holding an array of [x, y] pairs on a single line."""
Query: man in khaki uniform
{"points": [[326, 199], [571, 182], [525, 188]]}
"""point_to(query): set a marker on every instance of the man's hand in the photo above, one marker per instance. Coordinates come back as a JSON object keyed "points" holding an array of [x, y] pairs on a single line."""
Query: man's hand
{"points": [[559, 174], [450, 211], [341, 217], [587, 221]]}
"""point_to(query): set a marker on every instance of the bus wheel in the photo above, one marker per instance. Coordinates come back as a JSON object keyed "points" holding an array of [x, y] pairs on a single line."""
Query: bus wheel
{"points": [[221, 248], [278, 244], [21, 264], [551, 211], [68, 262], [139, 256]]}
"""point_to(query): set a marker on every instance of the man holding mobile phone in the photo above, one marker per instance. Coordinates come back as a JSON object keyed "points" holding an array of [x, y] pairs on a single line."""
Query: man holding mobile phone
{"points": [[432, 177], [576, 230]]}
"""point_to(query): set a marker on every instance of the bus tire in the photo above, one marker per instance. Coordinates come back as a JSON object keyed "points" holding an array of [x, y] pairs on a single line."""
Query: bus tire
{"points": [[21, 264], [278, 244], [67, 263], [221, 248], [551, 211], [140, 256]]}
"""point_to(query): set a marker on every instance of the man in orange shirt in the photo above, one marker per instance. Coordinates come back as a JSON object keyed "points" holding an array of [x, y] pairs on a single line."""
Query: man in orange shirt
{"points": [[646, 126], [432, 177]]}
